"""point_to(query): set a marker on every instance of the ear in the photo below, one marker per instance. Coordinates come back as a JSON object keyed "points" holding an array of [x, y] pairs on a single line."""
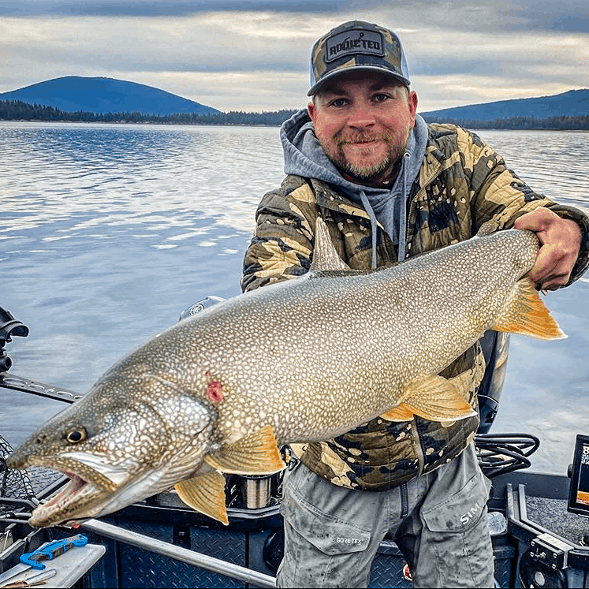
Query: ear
{"points": [[412, 103], [312, 110]]}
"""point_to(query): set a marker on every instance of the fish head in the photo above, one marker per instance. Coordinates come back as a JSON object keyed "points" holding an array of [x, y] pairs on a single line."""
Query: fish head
{"points": [[129, 438]]}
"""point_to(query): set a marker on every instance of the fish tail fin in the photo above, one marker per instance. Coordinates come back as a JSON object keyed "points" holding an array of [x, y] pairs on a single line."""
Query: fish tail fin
{"points": [[527, 314], [205, 494], [434, 398]]}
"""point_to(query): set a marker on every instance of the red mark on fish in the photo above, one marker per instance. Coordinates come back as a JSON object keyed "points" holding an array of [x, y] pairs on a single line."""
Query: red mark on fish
{"points": [[214, 389]]}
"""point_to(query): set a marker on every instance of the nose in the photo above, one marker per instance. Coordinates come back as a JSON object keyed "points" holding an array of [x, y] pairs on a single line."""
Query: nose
{"points": [[361, 116]]}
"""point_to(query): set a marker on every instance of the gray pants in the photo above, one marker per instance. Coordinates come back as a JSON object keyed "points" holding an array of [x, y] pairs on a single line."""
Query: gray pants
{"points": [[438, 521]]}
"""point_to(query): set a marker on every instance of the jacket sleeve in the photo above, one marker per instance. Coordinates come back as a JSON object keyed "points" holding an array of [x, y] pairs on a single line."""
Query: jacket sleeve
{"points": [[500, 196], [282, 242]]}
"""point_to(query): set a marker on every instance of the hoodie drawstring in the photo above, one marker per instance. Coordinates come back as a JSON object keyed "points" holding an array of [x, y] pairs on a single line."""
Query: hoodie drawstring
{"points": [[402, 252], [373, 224], [402, 248]]}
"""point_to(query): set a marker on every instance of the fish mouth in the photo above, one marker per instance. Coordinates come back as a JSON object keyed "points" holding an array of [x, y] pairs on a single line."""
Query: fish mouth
{"points": [[92, 490], [100, 489], [78, 500]]}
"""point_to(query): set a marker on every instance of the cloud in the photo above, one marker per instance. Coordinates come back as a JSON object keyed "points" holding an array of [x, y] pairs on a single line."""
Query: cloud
{"points": [[531, 15], [157, 7], [254, 55], [243, 61]]}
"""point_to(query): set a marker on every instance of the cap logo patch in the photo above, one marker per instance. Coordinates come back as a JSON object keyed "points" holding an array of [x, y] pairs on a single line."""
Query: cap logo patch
{"points": [[353, 42]]}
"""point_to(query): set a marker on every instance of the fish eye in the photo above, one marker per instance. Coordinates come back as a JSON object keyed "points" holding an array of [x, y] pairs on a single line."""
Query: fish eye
{"points": [[76, 435]]}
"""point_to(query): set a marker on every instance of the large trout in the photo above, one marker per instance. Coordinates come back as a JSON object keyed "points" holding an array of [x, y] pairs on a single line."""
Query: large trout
{"points": [[304, 360]]}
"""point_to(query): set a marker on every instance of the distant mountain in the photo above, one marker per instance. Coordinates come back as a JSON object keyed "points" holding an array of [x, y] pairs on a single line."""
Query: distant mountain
{"points": [[574, 103], [105, 95]]}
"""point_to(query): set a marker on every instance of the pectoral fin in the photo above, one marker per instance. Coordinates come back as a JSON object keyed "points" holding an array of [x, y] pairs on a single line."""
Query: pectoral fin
{"points": [[431, 397], [527, 314], [255, 454], [205, 494]]}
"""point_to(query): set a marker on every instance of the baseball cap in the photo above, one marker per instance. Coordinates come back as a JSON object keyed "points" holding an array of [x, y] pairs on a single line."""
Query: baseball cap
{"points": [[357, 45]]}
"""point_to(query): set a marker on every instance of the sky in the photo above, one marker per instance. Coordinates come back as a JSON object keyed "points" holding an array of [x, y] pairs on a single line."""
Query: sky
{"points": [[253, 55]]}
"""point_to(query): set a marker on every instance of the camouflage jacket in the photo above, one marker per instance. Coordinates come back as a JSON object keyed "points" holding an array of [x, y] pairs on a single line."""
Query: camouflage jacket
{"points": [[462, 183]]}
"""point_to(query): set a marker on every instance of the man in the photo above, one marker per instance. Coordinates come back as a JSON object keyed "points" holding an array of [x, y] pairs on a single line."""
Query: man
{"points": [[389, 186]]}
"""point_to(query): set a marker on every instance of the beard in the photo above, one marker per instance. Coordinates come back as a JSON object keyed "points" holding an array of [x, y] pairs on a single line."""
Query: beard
{"points": [[363, 167]]}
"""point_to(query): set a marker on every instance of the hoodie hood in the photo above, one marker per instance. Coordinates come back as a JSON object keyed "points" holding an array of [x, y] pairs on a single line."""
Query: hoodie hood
{"points": [[304, 156]]}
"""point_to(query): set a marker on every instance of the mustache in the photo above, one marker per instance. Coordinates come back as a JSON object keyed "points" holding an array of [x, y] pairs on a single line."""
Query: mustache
{"points": [[362, 138]]}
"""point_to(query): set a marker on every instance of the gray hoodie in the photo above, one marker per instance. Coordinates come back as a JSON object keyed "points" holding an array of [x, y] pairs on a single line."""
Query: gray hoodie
{"points": [[304, 156]]}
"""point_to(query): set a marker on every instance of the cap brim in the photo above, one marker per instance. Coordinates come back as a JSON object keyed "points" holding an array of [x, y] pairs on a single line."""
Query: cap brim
{"points": [[372, 68]]}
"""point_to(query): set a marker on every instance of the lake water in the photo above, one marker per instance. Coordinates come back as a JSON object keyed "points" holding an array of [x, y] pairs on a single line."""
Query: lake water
{"points": [[108, 232]]}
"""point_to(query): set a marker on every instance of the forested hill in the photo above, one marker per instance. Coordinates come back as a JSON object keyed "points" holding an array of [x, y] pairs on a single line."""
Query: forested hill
{"points": [[15, 110], [109, 100], [105, 95], [572, 104]]}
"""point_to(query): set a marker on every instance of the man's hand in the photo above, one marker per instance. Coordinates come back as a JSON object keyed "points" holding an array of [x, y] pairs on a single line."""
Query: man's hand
{"points": [[560, 241]]}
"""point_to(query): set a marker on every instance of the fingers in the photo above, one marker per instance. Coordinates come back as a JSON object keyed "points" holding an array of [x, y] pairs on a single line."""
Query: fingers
{"points": [[550, 270], [536, 221], [560, 241]]}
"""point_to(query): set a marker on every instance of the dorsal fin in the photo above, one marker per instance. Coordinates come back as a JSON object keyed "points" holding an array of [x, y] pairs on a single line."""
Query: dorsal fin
{"points": [[325, 256]]}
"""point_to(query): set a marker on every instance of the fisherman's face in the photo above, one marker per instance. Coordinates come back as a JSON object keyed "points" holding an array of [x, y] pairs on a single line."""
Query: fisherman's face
{"points": [[363, 121]]}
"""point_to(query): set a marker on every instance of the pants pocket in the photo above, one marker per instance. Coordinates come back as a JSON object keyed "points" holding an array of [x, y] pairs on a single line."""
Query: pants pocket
{"points": [[328, 532], [462, 510], [325, 545], [456, 549]]}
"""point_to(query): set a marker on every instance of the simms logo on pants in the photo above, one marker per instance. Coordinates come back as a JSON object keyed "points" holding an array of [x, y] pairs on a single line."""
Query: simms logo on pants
{"points": [[472, 512]]}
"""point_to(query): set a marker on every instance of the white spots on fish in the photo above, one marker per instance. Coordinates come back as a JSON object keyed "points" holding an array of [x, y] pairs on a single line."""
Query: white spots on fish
{"points": [[321, 350]]}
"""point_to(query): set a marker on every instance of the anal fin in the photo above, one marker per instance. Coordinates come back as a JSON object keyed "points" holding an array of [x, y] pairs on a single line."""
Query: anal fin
{"points": [[431, 397], [255, 454], [527, 314], [205, 494]]}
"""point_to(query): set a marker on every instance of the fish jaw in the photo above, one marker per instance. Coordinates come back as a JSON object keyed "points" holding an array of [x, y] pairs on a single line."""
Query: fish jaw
{"points": [[87, 495], [82, 498], [133, 452], [77, 501]]}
